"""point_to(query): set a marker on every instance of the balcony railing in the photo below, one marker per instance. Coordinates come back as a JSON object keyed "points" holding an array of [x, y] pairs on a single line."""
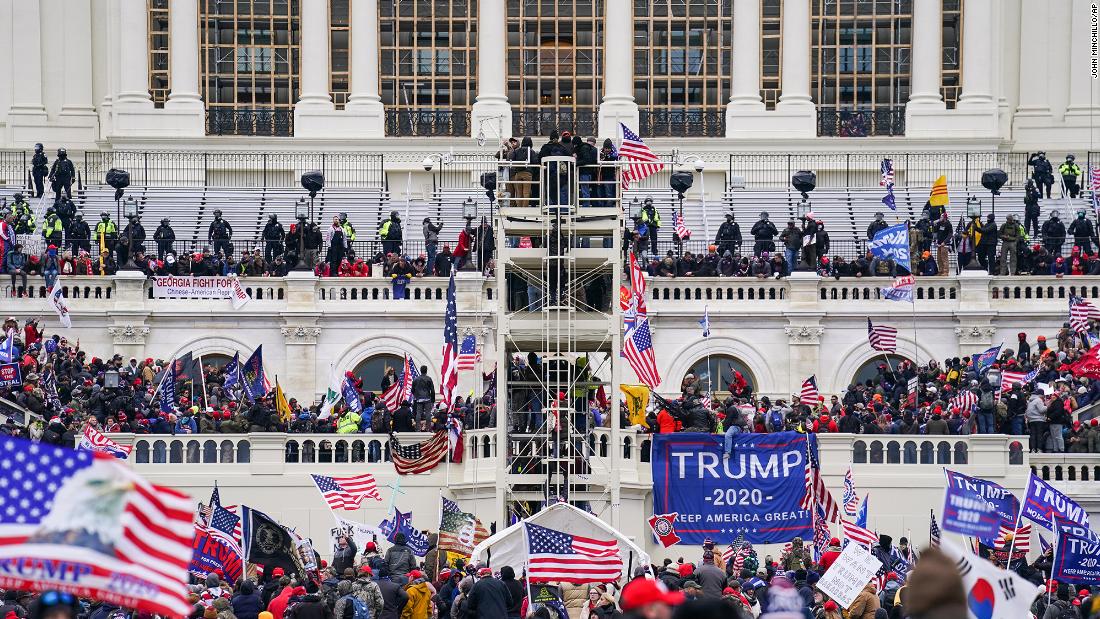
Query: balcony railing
{"points": [[428, 123], [860, 122], [542, 122], [252, 122], [683, 123]]}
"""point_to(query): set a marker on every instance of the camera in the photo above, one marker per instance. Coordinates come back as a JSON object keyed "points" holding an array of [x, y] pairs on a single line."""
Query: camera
{"points": [[428, 163]]}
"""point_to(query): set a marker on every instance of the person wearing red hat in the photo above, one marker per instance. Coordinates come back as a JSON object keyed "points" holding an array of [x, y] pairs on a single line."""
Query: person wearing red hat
{"points": [[642, 598], [830, 555], [831, 610]]}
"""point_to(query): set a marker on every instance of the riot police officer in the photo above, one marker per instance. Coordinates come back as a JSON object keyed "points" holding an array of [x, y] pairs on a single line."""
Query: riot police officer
{"points": [[24, 217], [219, 234], [164, 236], [1054, 235], [39, 169], [1042, 172], [66, 210], [106, 233], [729, 236], [62, 175], [52, 228], [79, 235], [133, 239], [274, 236], [652, 219], [390, 233], [1070, 171], [1083, 233], [763, 232], [876, 226]]}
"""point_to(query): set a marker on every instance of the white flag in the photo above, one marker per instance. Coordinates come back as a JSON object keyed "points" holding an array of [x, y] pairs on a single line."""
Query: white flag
{"points": [[57, 302], [991, 593], [333, 394]]}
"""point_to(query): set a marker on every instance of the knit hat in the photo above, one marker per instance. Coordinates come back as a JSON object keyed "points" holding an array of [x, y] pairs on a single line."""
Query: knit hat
{"points": [[935, 584]]}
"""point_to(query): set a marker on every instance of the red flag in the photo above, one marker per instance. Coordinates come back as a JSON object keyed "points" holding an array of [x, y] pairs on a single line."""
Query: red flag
{"points": [[1088, 366], [664, 527]]}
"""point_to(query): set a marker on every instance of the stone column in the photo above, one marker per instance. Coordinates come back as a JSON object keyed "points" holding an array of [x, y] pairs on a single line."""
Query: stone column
{"points": [[129, 340], [745, 105], [977, 55], [364, 101], [315, 60], [927, 55], [133, 84], [188, 115], [618, 105], [796, 55], [77, 39], [26, 58], [1034, 61], [492, 69], [1084, 87], [805, 351]]}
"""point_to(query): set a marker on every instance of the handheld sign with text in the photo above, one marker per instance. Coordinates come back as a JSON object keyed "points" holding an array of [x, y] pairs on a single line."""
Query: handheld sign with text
{"points": [[1078, 553], [847, 576], [10, 375], [756, 492]]}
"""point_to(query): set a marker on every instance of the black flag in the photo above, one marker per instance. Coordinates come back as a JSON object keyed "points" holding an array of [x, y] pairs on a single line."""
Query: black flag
{"points": [[268, 543]]}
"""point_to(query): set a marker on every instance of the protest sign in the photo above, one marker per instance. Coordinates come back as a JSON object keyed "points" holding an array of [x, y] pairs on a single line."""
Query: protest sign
{"points": [[10, 376], [359, 532], [190, 287], [847, 576]]}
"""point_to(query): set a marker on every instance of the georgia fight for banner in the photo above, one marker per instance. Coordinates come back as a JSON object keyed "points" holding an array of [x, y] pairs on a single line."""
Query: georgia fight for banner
{"points": [[756, 491]]}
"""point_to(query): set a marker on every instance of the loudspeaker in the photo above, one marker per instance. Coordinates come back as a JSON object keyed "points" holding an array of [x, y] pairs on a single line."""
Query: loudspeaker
{"points": [[119, 179], [804, 181], [313, 182], [489, 182], [994, 179], [681, 181]]}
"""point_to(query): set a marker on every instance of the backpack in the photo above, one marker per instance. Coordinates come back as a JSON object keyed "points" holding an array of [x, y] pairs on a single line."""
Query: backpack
{"points": [[354, 608], [378, 422], [775, 420], [1065, 610], [986, 402]]}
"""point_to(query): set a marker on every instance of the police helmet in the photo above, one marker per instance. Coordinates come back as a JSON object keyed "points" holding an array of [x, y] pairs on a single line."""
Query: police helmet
{"points": [[38, 147], [164, 222], [61, 152], [764, 215], [18, 196], [648, 201], [273, 217], [217, 212], [50, 210], [104, 215], [1070, 157], [878, 216], [393, 214]]}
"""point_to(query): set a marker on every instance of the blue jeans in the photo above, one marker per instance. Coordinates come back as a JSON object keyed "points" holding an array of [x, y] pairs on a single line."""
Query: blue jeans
{"points": [[431, 248], [985, 423], [1017, 425], [731, 432], [534, 298], [586, 187], [51, 277], [791, 255]]}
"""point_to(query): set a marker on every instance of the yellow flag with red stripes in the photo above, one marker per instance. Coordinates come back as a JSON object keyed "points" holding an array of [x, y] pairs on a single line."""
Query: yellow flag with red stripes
{"points": [[939, 192]]}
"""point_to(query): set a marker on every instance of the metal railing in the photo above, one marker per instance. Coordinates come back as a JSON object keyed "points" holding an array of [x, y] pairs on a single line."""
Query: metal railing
{"points": [[428, 123], [849, 170], [365, 249], [234, 169], [682, 123], [542, 122], [860, 122], [277, 122]]}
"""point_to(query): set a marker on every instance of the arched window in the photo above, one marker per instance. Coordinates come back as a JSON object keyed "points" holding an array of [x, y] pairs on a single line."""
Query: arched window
{"points": [[372, 369], [216, 360], [869, 369], [712, 373]]}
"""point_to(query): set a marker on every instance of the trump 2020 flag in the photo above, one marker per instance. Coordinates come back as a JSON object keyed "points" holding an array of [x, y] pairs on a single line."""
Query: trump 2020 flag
{"points": [[991, 593], [1076, 553], [983, 361], [350, 395], [85, 523], [56, 298], [402, 523], [94, 440], [893, 243], [232, 372], [1042, 502]]}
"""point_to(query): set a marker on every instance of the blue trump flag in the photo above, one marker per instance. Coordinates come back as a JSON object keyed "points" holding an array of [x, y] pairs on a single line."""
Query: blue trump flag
{"points": [[756, 492], [168, 389], [1042, 502], [892, 242], [965, 512], [1004, 505], [232, 372], [983, 361], [351, 397], [861, 515], [402, 523], [1077, 553], [253, 374]]}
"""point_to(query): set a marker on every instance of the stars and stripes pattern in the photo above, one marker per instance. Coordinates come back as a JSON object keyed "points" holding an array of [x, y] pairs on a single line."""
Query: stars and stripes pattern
{"points": [[401, 390], [459, 531], [887, 170], [49, 490], [1011, 379], [934, 532], [734, 549], [468, 354], [809, 393], [416, 458], [882, 338], [1080, 312], [857, 533], [225, 525], [638, 350], [637, 287], [1004, 538], [964, 401], [8, 350], [94, 440], [851, 499], [704, 322], [558, 556], [347, 492], [641, 160], [449, 373], [679, 227], [821, 533], [816, 491]]}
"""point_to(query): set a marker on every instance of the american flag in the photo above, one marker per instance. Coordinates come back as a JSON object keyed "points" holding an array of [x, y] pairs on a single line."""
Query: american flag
{"points": [[934, 532], [821, 532], [642, 162], [851, 499], [638, 350], [881, 337], [92, 513], [637, 286], [809, 394], [704, 322], [225, 525], [449, 374], [94, 440], [1094, 185], [1010, 379], [346, 492], [401, 390], [207, 511], [418, 457], [1004, 538], [964, 401], [816, 491], [459, 531], [887, 169], [1080, 311], [682, 231], [555, 556], [857, 533], [468, 354]]}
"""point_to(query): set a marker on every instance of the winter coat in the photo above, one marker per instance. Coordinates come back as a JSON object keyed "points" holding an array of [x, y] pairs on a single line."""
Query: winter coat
{"points": [[344, 558], [489, 599], [393, 599], [419, 605], [247, 604], [865, 604], [712, 579], [400, 560], [310, 607]]}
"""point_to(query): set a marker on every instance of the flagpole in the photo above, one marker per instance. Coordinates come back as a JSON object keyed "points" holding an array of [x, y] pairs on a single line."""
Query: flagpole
{"points": [[162, 378], [202, 379], [1012, 546], [1053, 559], [439, 550]]}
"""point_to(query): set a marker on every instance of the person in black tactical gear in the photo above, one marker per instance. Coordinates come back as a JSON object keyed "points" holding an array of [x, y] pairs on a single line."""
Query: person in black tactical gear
{"points": [[106, 233], [52, 228], [62, 175], [390, 233], [809, 241], [1070, 172], [1083, 233], [1042, 171], [66, 210], [274, 237], [729, 236], [79, 235], [132, 241], [764, 233], [1032, 196], [164, 236], [1054, 235], [652, 220], [987, 245], [219, 235], [876, 226], [39, 169], [24, 217]]}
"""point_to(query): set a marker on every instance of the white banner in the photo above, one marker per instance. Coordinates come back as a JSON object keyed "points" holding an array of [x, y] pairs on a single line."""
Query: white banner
{"points": [[359, 532], [846, 577], [190, 287]]}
